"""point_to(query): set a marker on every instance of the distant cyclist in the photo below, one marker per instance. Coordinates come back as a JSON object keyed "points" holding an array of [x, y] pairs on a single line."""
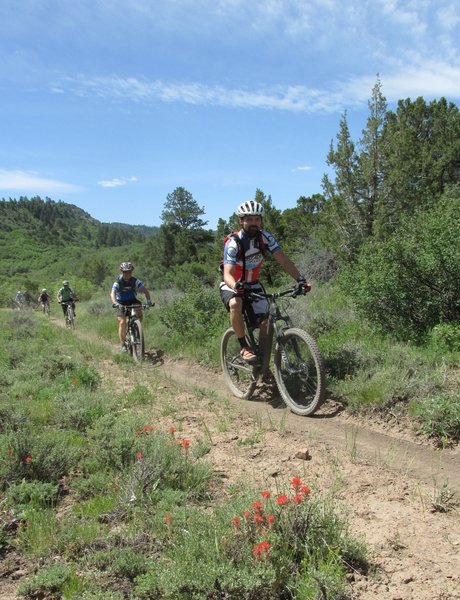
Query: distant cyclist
{"points": [[19, 299], [65, 295], [44, 299], [243, 257], [124, 293]]}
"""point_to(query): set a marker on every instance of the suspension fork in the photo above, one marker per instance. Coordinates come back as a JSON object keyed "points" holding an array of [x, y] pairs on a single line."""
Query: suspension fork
{"points": [[265, 345]]}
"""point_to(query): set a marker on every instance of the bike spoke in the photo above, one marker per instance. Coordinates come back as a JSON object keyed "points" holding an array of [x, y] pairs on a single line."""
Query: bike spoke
{"points": [[238, 374], [299, 372]]}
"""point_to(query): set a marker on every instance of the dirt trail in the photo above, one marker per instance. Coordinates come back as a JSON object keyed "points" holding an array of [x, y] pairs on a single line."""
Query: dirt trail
{"points": [[393, 448], [400, 494]]}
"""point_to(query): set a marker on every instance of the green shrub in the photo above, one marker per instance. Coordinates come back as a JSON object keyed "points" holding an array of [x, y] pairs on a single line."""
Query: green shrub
{"points": [[260, 548], [440, 417], [410, 282], [49, 583], [445, 337], [79, 408], [197, 315], [35, 493], [12, 418], [84, 376], [98, 307], [38, 456]]}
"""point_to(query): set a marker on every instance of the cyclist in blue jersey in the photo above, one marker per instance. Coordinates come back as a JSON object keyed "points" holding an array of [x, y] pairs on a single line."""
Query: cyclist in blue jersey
{"points": [[243, 257], [124, 293]]}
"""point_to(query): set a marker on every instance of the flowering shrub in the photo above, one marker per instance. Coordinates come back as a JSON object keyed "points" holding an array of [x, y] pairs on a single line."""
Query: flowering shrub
{"points": [[272, 521]]}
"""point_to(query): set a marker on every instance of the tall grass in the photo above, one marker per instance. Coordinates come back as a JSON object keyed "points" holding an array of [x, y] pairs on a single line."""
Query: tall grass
{"points": [[103, 500]]}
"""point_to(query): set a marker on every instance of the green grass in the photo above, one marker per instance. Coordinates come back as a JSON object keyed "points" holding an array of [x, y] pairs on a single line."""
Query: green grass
{"points": [[107, 501]]}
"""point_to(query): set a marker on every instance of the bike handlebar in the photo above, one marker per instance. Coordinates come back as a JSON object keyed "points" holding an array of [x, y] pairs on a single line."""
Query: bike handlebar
{"points": [[293, 292], [116, 305]]}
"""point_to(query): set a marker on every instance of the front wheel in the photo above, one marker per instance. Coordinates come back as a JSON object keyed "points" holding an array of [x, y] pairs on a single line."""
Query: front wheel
{"points": [[238, 374], [136, 336], [299, 371], [70, 318]]}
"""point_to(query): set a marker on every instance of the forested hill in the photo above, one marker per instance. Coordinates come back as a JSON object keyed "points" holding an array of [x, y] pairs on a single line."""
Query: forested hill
{"points": [[43, 241], [60, 224]]}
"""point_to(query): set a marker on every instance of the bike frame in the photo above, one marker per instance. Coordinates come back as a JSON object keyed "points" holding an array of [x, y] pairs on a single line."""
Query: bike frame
{"points": [[274, 330], [131, 317], [68, 304]]}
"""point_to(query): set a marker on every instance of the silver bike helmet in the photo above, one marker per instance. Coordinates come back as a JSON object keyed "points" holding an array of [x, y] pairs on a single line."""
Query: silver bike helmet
{"points": [[65, 282], [126, 266], [250, 208]]}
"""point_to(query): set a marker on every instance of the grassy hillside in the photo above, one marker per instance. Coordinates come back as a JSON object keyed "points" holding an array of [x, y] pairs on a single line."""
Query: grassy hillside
{"points": [[42, 242]]}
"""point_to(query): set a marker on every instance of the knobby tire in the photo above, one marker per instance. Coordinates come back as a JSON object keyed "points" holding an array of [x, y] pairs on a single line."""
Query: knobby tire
{"points": [[70, 318], [137, 340], [299, 371], [239, 375]]}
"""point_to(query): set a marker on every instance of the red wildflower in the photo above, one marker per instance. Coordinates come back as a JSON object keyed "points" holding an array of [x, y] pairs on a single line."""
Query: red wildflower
{"points": [[261, 550], [270, 520], [185, 443], [297, 499], [266, 494], [172, 431], [282, 500], [236, 522], [257, 506], [28, 459], [246, 514], [148, 428], [139, 455], [258, 519], [305, 490], [168, 520], [296, 482]]}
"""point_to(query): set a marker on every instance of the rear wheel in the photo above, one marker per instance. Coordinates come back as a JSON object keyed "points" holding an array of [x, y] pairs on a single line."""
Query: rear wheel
{"points": [[136, 336], [299, 371], [238, 374]]}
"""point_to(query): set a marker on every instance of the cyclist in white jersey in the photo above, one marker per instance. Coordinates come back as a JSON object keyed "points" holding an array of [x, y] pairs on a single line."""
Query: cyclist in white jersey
{"points": [[243, 259]]}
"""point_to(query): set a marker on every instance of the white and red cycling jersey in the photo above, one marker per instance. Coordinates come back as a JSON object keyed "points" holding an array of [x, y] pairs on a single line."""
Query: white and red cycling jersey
{"points": [[253, 255]]}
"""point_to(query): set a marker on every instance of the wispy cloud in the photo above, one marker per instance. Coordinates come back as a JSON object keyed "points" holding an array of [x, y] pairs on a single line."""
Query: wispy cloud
{"points": [[116, 182], [27, 181], [302, 168], [420, 78], [297, 98]]}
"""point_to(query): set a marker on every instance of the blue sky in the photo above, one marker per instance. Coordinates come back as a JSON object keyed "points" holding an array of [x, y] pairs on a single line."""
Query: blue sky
{"points": [[112, 104]]}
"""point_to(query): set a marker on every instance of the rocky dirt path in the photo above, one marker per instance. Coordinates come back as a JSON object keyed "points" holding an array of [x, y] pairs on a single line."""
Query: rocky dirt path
{"points": [[400, 495]]}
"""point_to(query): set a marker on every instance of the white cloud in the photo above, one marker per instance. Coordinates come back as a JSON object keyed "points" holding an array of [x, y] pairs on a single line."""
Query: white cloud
{"points": [[116, 182], [27, 181], [302, 168], [298, 98], [418, 77]]}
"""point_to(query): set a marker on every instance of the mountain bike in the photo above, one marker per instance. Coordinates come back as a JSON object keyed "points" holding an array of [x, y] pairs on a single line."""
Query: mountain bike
{"points": [[134, 341], [45, 306], [297, 363], [69, 314]]}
